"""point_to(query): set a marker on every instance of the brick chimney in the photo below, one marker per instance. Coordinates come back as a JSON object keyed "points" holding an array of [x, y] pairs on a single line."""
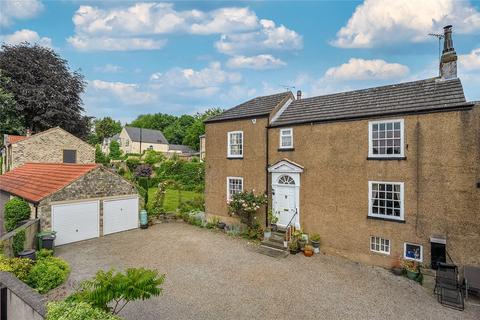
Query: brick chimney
{"points": [[448, 61], [299, 94]]}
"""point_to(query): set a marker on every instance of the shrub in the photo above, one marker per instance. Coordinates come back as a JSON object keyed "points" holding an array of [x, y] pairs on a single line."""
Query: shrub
{"points": [[44, 253], [115, 152], [18, 266], [152, 157], [245, 205], [76, 311], [48, 273], [19, 242], [121, 288], [132, 163], [191, 175], [254, 232], [16, 210], [196, 204]]}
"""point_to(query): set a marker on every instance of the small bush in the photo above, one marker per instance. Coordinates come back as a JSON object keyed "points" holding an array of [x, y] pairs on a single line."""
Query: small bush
{"points": [[44, 253], [132, 163], [196, 204], [48, 273], [76, 311], [18, 266], [19, 242], [16, 210]]}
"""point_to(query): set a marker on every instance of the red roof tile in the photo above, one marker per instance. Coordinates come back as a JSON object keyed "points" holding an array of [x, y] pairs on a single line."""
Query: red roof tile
{"points": [[35, 181], [13, 138]]}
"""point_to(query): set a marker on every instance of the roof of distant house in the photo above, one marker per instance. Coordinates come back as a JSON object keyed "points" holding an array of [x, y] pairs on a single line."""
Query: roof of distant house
{"points": [[409, 97], [260, 106], [182, 148], [35, 181], [14, 138], [146, 135]]}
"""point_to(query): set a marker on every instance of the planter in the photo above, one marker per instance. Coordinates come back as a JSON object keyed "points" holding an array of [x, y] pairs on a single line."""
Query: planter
{"points": [[315, 244], [221, 225], [302, 243], [28, 254], [316, 250], [397, 271], [293, 251], [267, 234], [308, 253], [412, 275], [285, 244]]}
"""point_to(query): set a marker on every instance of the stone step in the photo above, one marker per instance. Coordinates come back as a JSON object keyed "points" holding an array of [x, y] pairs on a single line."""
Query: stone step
{"points": [[273, 244], [276, 238], [272, 252]]}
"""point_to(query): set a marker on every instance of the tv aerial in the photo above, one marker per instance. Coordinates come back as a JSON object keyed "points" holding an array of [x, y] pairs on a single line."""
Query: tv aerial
{"points": [[287, 87], [439, 36]]}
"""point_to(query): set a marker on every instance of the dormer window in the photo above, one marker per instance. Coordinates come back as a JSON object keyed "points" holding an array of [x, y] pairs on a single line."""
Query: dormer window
{"points": [[386, 139], [286, 138], [235, 144]]}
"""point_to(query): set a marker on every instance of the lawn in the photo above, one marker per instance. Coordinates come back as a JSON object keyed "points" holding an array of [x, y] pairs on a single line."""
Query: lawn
{"points": [[173, 198]]}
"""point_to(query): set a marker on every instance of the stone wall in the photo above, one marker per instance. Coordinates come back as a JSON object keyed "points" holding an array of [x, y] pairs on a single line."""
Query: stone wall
{"points": [[98, 183], [48, 147], [31, 230], [23, 303]]}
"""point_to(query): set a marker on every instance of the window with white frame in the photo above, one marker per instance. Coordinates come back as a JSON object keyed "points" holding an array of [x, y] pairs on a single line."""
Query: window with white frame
{"points": [[386, 200], [234, 185], [286, 138], [386, 139], [413, 251], [235, 144], [380, 245]]}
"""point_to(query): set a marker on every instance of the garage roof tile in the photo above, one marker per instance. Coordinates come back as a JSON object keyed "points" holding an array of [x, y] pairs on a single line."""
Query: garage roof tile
{"points": [[35, 181]]}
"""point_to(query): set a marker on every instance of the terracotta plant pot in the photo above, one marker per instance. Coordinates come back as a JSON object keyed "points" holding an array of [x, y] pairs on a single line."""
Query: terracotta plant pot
{"points": [[308, 253]]}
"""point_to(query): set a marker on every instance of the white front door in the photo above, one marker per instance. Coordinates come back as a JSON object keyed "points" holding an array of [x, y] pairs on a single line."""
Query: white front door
{"points": [[75, 221], [120, 215], [285, 204]]}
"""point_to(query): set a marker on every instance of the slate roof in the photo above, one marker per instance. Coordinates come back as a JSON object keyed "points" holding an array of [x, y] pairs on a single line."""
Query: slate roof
{"points": [[259, 106], [417, 96], [183, 148], [148, 135], [35, 181]]}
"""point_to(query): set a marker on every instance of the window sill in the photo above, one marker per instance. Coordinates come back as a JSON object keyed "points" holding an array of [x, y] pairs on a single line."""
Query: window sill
{"points": [[386, 219], [235, 158], [380, 253], [386, 158], [286, 149]]}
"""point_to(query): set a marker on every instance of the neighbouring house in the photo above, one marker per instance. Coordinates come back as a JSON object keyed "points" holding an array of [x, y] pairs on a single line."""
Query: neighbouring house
{"points": [[381, 173], [202, 147], [138, 140], [54, 145], [78, 201]]}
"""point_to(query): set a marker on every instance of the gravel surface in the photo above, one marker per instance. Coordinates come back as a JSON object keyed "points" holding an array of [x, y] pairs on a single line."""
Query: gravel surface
{"points": [[213, 276]]}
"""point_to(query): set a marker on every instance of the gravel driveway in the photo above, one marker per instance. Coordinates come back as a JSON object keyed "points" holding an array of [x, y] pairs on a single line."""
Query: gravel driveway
{"points": [[213, 276]]}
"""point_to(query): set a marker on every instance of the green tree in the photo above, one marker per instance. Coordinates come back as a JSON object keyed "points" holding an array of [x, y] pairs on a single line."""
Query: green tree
{"points": [[115, 152], [118, 289], [100, 157], [46, 92], [176, 131], [106, 127], [197, 128], [11, 120], [157, 121]]}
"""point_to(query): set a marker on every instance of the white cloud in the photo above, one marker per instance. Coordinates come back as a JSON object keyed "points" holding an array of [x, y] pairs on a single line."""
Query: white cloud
{"points": [[115, 44], [97, 29], [128, 93], [269, 37], [12, 10], [259, 62], [361, 69], [207, 78], [26, 35], [376, 22], [470, 61], [109, 68]]}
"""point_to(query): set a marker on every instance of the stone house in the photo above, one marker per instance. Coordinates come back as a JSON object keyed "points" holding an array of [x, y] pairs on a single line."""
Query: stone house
{"points": [[382, 173], [54, 145], [78, 201]]}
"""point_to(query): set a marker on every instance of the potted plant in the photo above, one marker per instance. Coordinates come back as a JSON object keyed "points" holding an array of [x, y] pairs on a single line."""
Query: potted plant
{"points": [[267, 233], [293, 247], [315, 241], [302, 241], [396, 267], [308, 251], [221, 225], [273, 219], [412, 269]]}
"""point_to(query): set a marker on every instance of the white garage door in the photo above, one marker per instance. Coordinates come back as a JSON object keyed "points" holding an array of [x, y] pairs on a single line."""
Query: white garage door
{"points": [[75, 221], [120, 215]]}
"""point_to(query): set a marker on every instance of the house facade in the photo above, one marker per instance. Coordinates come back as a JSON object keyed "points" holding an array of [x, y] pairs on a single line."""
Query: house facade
{"points": [[50, 146], [382, 173]]}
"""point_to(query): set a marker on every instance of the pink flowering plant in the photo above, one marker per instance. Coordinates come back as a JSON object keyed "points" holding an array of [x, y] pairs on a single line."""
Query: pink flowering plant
{"points": [[245, 205]]}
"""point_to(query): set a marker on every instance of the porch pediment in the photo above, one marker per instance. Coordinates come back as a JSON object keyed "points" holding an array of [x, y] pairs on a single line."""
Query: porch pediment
{"points": [[286, 166]]}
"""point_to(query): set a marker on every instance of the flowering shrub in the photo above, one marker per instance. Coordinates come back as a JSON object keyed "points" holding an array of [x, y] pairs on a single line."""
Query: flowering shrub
{"points": [[245, 205], [410, 265]]}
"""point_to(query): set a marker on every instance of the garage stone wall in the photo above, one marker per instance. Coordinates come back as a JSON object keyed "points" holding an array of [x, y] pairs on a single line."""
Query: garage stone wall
{"points": [[48, 146], [98, 183]]}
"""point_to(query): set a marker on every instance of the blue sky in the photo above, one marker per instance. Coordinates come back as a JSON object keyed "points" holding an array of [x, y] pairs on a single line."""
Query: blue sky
{"points": [[185, 56]]}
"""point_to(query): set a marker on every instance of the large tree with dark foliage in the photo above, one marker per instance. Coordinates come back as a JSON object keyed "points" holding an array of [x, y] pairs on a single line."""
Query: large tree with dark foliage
{"points": [[46, 92]]}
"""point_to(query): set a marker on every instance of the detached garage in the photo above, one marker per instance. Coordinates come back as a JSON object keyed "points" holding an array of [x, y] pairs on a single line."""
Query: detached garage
{"points": [[78, 201]]}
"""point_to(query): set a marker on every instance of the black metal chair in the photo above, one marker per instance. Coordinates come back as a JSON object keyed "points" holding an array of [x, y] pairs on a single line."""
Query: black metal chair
{"points": [[447, 287]]}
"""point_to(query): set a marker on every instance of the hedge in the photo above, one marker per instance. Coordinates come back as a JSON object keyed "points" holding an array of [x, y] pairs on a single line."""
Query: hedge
{"points": [[15, 211]]}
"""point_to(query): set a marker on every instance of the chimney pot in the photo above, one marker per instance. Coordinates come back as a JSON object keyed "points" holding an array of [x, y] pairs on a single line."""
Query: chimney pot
{"points": [[299, 94]]}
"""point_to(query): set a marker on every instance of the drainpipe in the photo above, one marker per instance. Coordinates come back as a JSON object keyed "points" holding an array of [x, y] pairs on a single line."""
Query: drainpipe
{"points": [[266, 173]]}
